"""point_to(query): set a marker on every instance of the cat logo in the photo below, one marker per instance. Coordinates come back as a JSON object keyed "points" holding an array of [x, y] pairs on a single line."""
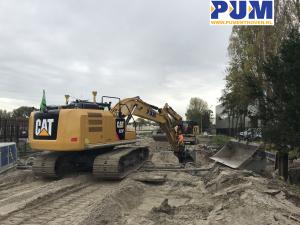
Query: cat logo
{"points": [[43, 128]]}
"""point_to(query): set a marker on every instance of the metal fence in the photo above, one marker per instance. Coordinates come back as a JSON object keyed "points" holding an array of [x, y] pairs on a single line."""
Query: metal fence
{"points": [[15, 130]]}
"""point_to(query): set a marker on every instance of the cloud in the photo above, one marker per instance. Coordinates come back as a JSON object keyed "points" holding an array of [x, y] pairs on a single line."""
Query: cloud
{"points": [[162, 51]]}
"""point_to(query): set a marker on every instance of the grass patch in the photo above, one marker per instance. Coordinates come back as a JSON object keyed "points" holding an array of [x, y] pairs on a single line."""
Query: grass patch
{"points": [[219, 140], [294, 188]]}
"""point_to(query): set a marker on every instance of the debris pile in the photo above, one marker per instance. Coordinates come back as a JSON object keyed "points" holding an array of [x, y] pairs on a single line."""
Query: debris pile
{"points": [[199, 193]]}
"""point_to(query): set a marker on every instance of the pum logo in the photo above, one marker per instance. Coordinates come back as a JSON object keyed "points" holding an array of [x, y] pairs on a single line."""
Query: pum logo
{"points": [[43, 127], [242, 12]]}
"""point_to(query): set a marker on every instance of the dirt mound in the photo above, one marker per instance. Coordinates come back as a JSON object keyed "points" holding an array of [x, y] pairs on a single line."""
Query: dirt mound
{"points": [[164, 208], [225, 196], [155, 145], [164, 157], [121, 200], [183, 214], [224, 180], [14, 177], [150, 177]]}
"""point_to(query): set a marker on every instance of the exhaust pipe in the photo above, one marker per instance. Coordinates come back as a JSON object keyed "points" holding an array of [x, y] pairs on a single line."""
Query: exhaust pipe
{"points": [[94, 96], [67, 99]]}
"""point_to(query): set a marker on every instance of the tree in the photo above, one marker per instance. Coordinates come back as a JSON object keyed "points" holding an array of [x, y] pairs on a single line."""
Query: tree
{"points": [[280, 107], [198, 111], [249, 47], [256, 73], [22, 112], [4, 114]]}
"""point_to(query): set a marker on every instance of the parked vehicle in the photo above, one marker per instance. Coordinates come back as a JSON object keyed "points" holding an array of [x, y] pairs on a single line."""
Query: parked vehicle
{"points": [[251, 134]]}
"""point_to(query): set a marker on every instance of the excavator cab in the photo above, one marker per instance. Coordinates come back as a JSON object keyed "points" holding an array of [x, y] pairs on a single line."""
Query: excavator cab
{"points": [[189, 132]]}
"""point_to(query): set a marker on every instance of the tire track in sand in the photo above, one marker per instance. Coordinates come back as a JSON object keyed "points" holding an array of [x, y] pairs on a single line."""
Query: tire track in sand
{"points": [[70, 204]]}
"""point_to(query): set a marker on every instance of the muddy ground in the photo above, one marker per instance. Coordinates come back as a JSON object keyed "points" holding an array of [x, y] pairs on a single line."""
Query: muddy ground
{"points": [[219, 195]]}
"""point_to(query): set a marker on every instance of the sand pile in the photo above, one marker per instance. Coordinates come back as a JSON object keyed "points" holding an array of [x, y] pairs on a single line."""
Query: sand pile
{"points": [[164, 157], [116, 203]]}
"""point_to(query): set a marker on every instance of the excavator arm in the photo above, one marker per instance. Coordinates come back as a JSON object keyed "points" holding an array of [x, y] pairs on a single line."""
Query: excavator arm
{"points": [[163, 116]]}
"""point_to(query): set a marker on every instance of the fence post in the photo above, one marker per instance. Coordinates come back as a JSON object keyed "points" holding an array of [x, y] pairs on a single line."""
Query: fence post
{"points": [[1, 129], [11, 131], [5, 129], [17, 133], [282, 164]]}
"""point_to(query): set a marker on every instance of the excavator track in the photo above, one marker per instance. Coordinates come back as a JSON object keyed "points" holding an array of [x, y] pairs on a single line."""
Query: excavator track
{"points": [[121, 162], [45, 165]]}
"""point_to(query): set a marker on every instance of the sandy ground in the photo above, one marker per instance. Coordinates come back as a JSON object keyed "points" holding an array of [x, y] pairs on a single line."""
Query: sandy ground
{"points": [[217, 196]]}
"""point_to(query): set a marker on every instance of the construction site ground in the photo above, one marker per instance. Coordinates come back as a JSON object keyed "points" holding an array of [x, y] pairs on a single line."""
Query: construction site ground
{"points": [[216, 195]]}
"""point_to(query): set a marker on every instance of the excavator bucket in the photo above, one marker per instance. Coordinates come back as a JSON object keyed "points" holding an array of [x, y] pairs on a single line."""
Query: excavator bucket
{"points": [[234, 154]]}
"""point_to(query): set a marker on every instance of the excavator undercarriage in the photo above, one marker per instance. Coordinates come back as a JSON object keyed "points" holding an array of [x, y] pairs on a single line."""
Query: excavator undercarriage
{"points": [[109, 164]]}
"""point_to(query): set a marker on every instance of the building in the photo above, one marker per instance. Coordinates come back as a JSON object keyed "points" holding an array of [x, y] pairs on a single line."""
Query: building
{"points": [[222, 122]]}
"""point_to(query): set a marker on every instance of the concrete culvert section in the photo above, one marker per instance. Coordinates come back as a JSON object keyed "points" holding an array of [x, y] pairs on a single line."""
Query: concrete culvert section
{"points": [[234, 154]]}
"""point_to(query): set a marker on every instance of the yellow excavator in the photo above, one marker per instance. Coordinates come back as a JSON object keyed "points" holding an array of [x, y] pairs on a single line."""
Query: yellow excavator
{"points": [[93, 136]]}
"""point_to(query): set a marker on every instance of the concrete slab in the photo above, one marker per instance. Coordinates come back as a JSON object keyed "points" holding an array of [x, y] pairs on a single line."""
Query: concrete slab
{"points": [[234, 154]]}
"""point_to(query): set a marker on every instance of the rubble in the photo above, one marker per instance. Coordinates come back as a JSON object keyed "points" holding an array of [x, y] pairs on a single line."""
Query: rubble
{"points": [[164, 208], [217, 195]]}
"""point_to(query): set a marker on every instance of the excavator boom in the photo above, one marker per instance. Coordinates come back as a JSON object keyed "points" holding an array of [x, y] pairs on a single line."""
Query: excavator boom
{"points": [[165, 117]]}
